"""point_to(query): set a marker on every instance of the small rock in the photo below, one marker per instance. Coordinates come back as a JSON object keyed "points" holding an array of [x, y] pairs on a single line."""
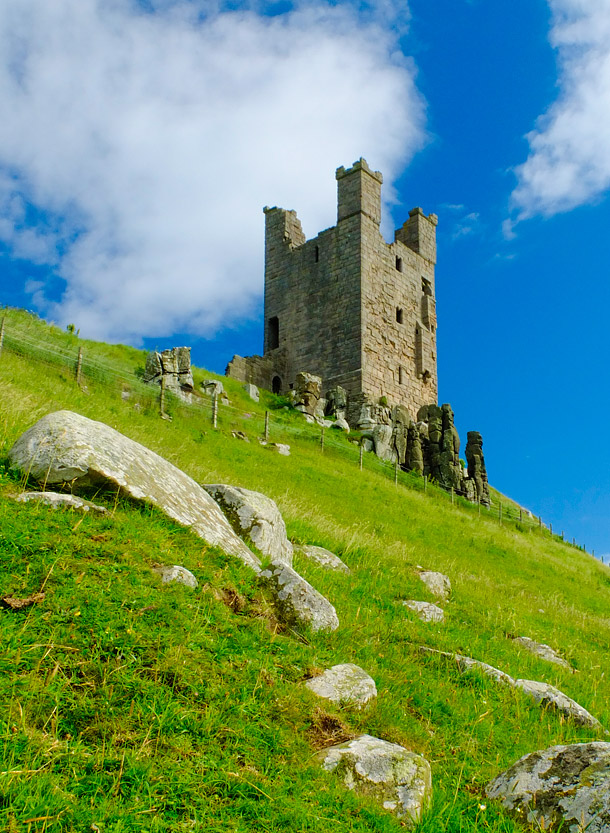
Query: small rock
{"points": [[341, 424], [426, 611], [239, 435], [309, 419], [467, 663], [58, 500], [567, 785], [178, 574], [543, 651], [347, 684], [367, 444], [549, 696], [438, 584], [255, 518], [298, 602], [325, 558], [281, 448], [252, 392], [400, 780]]}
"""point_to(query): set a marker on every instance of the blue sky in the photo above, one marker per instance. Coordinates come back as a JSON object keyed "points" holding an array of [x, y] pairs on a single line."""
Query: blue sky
{"points": [[141, 140]]}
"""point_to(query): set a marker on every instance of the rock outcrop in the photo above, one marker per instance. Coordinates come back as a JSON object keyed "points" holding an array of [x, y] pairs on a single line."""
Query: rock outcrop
{"points": [[322, 557], [298, 603], [400, 780], [426, 611], [437, 583], [64, 447], [255, 518], [62, 501], [345, 684], [429, 446], [307, 392], [336, 403], [567, 786], [543, 651], [173, 366]]}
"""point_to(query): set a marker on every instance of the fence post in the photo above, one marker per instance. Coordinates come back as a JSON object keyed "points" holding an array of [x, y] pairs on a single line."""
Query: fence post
{"points": [[396, 473], [215, 411], [361, 455], [2, 333], [562, 534], [79, 365], [322, 438], [425, 483], [479, 505], [551, 528], [573, 542], [540, 522], [266, 426], [520, 514], [162, 398]]}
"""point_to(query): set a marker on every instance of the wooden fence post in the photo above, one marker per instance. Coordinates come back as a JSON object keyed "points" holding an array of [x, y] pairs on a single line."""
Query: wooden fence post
{"points": [[215, 411], [79, 365], [322, 438], [361, 455], [425, 483], [551, 528], [162, 398], [562, 534], [2, 333], [540, 522], [479, 505], [396, 472], [521, 514], [266, 426]]}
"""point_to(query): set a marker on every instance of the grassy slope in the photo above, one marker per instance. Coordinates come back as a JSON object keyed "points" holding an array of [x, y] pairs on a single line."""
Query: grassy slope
{"points": [[130, 707]]}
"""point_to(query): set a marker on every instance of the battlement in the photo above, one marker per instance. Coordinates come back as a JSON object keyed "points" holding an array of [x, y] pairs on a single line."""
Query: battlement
{"points": [[358, 192]]}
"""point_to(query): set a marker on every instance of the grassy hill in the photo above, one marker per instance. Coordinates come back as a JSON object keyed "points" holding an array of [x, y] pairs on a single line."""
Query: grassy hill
{"points": [[125, 705]]}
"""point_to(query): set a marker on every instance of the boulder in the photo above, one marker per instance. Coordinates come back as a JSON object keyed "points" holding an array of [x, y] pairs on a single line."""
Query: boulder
{"points": [[550, 697], [177, 574], [252, 391], [345, 684], [255, 518], [64, 447], [400, 780], [383, 441], [281, 448], [426, 611], [299, 603], [564, 786], [336, 402], [438, 584], [341, 424], [212, 387], [307, 393], [543, 651], [61, 501], [325, 558]]}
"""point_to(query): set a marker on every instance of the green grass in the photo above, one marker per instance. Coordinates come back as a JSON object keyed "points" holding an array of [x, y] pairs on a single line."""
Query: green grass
{"points": [[127, 705]]}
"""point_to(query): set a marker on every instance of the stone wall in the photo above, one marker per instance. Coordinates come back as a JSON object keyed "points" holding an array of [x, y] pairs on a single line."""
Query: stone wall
{"points": [[347, 306]]}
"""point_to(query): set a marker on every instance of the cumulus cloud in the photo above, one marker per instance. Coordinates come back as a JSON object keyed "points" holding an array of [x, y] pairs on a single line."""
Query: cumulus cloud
{"points": [[569, 158], [138, 146]]}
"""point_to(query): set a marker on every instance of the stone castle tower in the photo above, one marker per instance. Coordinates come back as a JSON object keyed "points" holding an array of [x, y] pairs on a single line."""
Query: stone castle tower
{"points": [[347, 306]]}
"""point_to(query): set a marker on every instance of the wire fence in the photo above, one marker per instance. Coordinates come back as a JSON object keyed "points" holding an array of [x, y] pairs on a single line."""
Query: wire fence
{"points": [[273, 427]]}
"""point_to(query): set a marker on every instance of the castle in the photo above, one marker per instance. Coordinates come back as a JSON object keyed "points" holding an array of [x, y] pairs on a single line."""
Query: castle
{"points": [[347, 306]]}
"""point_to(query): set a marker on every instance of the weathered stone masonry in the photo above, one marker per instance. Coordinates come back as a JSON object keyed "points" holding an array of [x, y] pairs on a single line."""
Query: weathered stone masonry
{"points": [[347, 306]]}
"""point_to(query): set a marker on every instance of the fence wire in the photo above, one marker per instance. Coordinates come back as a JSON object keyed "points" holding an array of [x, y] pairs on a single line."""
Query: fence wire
{"points": [[329, 440]]}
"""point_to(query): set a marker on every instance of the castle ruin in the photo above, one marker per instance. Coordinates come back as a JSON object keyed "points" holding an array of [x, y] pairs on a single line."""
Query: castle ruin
{"points": [[347, 306]]}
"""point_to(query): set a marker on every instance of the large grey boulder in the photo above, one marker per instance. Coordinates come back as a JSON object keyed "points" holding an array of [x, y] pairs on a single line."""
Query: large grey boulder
{"points": [[64, 447], [438, 584], [567, 785], [426, 611], [347, 684], [299, 603], [322, 557], [61, 501], [255, 518], [550, 697], [543, 651], [400, 780], [382, 440]]}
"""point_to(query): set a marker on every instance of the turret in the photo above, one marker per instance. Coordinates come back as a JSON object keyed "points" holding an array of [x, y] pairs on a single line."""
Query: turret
{"points": [[419, 233], [359, 192]]}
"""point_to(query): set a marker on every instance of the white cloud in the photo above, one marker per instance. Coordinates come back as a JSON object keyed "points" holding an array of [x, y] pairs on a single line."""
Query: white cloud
{"points": [[137, 149], [569, 159]]}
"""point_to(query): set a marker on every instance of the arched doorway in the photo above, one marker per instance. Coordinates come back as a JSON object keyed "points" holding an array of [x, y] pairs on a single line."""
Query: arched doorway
{"points": [[276, 384]]}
